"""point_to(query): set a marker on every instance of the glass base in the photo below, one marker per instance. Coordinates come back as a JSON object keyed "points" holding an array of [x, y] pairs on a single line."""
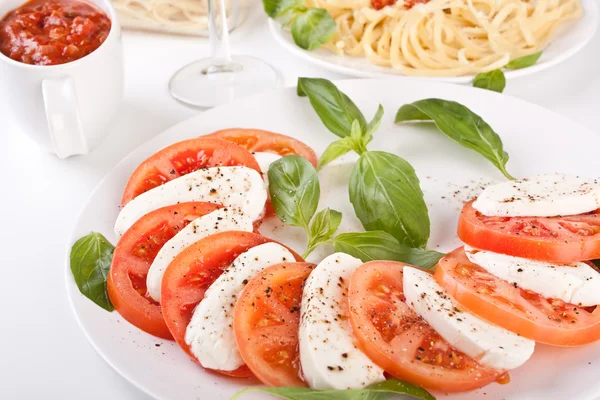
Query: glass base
{"points": [[205, 83]]}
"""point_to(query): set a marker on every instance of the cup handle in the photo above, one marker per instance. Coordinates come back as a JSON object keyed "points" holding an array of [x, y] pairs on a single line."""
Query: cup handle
{"points": [[62, 114]]}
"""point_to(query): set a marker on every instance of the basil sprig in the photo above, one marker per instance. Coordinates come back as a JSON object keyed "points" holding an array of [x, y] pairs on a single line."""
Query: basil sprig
{"points": [[460, 124], [90, 261], [378, 391], [493, 80], [524, 62], [385, 192], [295, 190], [379, 245], [311, 28], [384, 189]]}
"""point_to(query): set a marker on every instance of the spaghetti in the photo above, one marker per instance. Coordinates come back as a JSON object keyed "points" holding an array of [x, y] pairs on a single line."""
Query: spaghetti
{"points": [[187, 17], [444, 37]]}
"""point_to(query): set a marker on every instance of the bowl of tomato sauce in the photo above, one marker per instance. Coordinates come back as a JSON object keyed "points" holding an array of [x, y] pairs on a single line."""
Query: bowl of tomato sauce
{"points": [[61, 70]]}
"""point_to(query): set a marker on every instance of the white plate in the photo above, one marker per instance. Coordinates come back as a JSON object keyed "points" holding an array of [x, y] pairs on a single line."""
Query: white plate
{"points": [[572, 38], [536, 139]]}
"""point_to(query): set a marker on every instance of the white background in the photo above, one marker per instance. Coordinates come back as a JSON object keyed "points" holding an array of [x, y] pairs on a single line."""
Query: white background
{"points": [[43, 354]]}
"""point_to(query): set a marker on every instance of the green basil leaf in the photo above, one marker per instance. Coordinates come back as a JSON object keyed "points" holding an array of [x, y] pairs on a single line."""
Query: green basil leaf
{"points": [[379, 245], [373, 125], [90, 262], [335, 150], [385, 192], [323, 226], [356, 138], [334, 108], [459, 124], [313, 28], [493, 80], [294, 188], [275, 8], [377, 391], [524, 62]]}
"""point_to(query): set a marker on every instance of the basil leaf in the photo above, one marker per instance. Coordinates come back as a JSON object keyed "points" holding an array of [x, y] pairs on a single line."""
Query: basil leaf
{"points": [[373, 125], [524, 62], [334, 108], [377, 391], [356, 138], [294, 188], [323, 226], [313, 28], [90, 262], [275, 8], [596, 263], [493, 80], [379, 245], [460, 124], [385, 192], [335, 150]]}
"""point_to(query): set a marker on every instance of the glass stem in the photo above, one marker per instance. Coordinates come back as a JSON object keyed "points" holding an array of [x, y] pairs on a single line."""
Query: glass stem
{"points": [[219, 41]]}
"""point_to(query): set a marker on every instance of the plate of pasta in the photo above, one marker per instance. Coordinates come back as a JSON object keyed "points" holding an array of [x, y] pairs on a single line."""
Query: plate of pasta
{"points": [[446, 40]]}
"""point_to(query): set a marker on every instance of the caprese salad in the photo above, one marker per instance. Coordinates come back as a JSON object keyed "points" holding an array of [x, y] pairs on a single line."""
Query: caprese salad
{"points": [[379, 314]]}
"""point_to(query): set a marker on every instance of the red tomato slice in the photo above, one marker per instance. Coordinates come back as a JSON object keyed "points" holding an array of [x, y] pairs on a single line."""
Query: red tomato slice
{"points": [[562, 240], [182, 158], [133, 257], [524, 312], [265, 141], [266, 320], [400, 341], [192, 272]]}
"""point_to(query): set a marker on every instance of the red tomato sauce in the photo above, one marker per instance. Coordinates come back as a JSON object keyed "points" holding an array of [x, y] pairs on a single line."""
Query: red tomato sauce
{"points": [[50, 32], [379, 4]]}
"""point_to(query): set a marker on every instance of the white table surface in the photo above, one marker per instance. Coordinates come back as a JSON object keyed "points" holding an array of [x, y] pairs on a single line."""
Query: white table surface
{"points": [[43, 354]]}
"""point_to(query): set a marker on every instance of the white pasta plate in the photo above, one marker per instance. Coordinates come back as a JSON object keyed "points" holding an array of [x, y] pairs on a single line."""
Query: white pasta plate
{"points": [[568, 40], [529, 132]]}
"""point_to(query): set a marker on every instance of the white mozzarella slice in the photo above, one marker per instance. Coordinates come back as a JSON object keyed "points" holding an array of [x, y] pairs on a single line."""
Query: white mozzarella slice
{"points": [[221, 220], [491, 345], [540, 196], [576, 284], [265, 160], [328, 356], [240, 188], [210, 333]]}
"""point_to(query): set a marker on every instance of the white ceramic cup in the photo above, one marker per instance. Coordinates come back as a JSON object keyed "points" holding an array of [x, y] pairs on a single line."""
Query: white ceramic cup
{"points": [[68, 108]]}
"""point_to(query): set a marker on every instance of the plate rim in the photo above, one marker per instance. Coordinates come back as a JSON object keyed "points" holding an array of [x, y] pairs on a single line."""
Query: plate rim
{"points": [[591, 10], [70, 285]]}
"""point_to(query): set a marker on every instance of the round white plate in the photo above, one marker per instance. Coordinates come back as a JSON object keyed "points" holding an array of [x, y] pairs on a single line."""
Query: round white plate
{"points": [[570, 39], [537, 141]]}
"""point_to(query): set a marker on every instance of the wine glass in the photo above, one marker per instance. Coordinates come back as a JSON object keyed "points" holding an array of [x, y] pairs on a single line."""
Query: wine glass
{"points": [[223, 77]]}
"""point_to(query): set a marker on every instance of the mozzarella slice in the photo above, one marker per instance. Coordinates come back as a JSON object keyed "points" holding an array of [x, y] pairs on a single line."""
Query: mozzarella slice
{"points": [[576, 284], [328, 356], [221, 220], [240, 188], [265, 160], [491, 345], [540, 196], [210, 333]]}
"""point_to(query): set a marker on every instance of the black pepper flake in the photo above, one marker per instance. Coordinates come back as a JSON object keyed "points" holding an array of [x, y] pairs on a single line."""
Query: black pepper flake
{"points": [[520, 270], [329, 367]]}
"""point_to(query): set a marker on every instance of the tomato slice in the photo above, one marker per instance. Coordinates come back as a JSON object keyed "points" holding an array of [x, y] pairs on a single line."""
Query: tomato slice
{"points": [[191, 273], [265, 141], [182, 158], [562, 240], [399, 340], [549, 321], [133, 257], [266, 320]]}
